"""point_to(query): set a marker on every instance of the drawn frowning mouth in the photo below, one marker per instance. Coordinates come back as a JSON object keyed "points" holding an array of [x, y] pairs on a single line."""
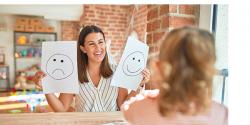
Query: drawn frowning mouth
{"points": [[58, 70]]}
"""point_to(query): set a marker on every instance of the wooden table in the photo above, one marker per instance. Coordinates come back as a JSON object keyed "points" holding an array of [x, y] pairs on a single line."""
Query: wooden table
{"points": [[76, 118]]}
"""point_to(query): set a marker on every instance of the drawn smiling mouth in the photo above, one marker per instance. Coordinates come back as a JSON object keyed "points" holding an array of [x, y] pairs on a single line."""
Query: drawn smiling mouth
{"points": [[58, 70], [133, 71]]}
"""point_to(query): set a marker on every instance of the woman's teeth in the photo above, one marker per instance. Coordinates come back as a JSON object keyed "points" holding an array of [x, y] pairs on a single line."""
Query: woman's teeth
{"points": [[98, 53]]}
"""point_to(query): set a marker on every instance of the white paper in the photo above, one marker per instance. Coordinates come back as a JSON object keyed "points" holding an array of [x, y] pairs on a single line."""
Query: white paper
{"points": [[133, 61], [59, 62]]}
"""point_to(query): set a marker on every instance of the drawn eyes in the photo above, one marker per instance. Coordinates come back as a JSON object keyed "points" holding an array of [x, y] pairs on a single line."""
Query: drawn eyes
{"points": [[60, 61], [138, 59]]}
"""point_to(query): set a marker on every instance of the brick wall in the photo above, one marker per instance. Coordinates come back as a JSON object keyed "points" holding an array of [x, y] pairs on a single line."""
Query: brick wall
{"points": [[138, 14], [162, 18], [69, 30], [151, 21], [113, 19]]}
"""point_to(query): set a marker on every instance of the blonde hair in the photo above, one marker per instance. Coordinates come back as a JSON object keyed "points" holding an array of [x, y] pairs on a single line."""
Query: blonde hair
{"points": [[187, 57]]}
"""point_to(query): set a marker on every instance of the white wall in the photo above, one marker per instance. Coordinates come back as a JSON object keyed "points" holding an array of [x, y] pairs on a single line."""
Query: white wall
{"points": [[7, 40], [205, 21], [54, 12]]}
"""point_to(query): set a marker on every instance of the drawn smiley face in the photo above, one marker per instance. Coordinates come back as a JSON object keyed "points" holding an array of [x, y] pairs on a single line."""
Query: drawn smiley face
{"points": [[133, 64], [59, 66]]}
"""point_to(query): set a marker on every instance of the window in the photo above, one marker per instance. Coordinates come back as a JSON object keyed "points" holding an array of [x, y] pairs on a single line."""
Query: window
{"points": [[220, 30]]}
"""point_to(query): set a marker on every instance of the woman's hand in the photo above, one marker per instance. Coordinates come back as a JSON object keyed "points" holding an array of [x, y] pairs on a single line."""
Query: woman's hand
{"points": [[37, 79], [146, 76]]}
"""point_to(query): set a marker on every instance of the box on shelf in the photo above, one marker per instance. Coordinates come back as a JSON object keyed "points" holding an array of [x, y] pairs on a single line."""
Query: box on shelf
{"points": [[40, 29], [49, 29], [22, 21], [36, 22], [29, 28], [19, 27]]}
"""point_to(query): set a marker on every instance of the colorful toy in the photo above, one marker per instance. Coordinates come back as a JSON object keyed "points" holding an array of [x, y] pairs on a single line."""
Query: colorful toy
{"points": [[22, 40], [21, 82]]}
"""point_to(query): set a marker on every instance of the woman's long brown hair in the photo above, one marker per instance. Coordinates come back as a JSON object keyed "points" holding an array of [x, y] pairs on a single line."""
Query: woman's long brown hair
{"points": [[82, 58]]}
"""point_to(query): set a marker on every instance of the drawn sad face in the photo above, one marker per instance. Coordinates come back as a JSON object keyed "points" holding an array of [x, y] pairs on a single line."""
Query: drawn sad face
{"points": [[59, 66], [133, 63]]}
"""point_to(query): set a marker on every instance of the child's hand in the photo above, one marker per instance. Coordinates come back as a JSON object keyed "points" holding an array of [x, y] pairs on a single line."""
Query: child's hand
{"points": [[146, 76], [150, 94], [37, 79]]}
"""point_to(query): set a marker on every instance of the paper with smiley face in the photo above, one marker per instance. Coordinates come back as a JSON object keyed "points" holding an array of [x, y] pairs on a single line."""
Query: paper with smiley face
{"points": [[59, 62], [133, 61]]}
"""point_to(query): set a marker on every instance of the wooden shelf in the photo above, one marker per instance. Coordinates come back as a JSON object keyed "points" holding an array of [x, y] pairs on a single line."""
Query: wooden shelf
{"points": [[30, 45], [29, 58], [35, 32]]}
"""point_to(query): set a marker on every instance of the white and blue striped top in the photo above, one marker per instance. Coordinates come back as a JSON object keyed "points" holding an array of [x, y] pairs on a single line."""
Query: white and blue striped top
{"points": [[97, 99]]}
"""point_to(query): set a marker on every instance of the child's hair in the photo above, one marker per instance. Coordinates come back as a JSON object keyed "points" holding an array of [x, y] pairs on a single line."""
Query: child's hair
{"points": [[187, 57], [82, 58]]}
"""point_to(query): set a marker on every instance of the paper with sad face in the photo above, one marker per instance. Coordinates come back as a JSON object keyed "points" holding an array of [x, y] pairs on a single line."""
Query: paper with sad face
{"points": [[59, 62], [133, 61]]}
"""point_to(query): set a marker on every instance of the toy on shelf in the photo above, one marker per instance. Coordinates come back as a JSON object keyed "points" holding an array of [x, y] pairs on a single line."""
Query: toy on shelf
{"points": [[17, 55], [3, 75], [31, 71], [22, 40], [21, 82], [28, 53], [24, 78]]}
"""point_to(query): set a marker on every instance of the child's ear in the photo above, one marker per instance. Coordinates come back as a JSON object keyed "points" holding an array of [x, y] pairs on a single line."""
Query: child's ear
{"points": [[82, 48]]}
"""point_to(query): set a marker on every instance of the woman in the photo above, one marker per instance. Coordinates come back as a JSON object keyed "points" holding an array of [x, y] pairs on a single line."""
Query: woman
{"points": [[184, 75], [94, 73]]}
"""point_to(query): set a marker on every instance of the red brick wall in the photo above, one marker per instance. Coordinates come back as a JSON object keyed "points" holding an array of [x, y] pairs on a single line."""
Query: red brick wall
{"points": [[162, 18], [69, 30], [112, 19], [153, 20], [139, 20]]}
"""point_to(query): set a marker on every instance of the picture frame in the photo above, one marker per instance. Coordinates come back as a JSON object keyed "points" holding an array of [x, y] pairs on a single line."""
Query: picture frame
{"points": [[2, 59]]}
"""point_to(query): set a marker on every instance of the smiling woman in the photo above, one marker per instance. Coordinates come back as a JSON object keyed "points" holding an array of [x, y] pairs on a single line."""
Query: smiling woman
{"points": [[94, 74]]}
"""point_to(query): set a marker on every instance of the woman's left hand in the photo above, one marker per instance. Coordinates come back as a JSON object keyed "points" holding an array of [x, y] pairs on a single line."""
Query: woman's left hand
{"points": [[146, 76]]}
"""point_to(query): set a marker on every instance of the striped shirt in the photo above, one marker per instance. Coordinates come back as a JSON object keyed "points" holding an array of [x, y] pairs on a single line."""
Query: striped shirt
{"points": [[97, 99]]}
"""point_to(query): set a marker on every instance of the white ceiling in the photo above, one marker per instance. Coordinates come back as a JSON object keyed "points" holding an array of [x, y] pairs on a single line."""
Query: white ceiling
{"points": [[53, 12]]}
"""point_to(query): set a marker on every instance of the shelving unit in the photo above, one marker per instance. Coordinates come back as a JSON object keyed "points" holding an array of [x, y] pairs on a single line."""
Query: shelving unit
{"points": [[28, 50], [4, 78]]}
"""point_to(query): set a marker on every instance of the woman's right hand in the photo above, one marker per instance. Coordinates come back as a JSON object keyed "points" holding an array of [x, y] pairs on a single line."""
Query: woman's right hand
{"points": [[37, 79]]}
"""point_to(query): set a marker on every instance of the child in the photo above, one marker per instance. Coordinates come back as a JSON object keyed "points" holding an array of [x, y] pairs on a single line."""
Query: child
{"points": [[94, 73], [184, 75]]}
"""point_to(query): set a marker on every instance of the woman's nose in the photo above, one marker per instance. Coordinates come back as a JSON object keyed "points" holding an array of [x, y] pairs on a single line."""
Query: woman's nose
{"points": [[98, 47]]}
